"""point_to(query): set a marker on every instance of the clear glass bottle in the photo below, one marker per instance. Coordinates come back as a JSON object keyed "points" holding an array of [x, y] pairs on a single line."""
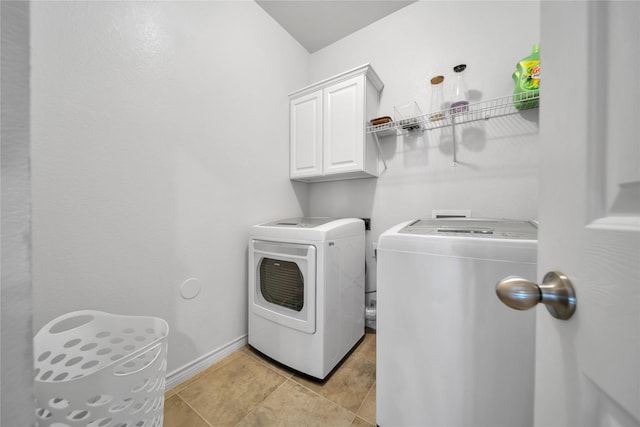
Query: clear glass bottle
{"points": [[437, 98], [460, 100]]}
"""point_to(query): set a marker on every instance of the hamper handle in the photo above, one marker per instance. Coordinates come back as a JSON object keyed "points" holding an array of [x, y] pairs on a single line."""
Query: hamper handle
{"points": [[70, 321]]}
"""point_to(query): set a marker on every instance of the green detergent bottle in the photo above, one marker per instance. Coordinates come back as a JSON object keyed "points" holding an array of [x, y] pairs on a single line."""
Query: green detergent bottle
{"points": [[527, 80]]}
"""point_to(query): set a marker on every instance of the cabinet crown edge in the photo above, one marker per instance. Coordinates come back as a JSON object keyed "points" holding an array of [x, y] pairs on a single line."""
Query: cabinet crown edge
{"points": [[365, 69]]}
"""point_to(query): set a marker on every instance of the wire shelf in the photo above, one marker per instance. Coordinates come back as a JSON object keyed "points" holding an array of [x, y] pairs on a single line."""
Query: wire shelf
{"points": [[485, 110]]}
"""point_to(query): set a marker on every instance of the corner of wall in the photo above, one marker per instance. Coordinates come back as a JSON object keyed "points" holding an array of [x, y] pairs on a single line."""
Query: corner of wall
{"points": [[15, 293]]}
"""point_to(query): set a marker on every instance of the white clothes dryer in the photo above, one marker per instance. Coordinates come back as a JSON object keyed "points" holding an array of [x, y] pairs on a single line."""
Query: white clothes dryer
{"points": [[306, 291], [449, 352]]}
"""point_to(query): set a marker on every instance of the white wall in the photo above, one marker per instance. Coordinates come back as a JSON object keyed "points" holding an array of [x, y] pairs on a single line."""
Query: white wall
{"points": [[160, 134], [16, 348], [498, 160]]}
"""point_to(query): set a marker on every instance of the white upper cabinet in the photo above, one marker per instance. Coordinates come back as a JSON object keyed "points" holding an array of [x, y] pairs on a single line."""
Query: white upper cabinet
{"points": [[342, 126], [306, 135], [327, 127]]}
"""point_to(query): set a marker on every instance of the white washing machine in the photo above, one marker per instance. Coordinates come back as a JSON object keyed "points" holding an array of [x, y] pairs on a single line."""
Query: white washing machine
{"points": [[306, 291], [449, 353]]}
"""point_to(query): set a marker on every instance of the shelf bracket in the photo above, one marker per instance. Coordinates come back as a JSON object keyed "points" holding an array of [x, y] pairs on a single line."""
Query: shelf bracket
{"points": [[453, 139], [375, 136]]}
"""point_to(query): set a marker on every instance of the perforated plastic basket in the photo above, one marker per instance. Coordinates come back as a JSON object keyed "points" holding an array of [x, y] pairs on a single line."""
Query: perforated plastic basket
{"points": [[98, 369]]}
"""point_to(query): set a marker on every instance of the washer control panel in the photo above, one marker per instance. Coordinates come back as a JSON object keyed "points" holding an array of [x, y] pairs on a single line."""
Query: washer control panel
{"points": [[472, 227]]}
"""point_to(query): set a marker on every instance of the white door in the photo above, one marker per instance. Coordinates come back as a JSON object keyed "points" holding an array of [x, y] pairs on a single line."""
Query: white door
{"points": [[588, 367], [306, 135], [343, 126]]}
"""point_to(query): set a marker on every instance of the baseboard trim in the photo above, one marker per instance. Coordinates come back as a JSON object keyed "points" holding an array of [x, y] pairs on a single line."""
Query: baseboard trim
{"points": [[190, 369]]}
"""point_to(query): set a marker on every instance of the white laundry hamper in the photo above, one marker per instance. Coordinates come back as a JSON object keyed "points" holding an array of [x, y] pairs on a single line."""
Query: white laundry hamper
{"points": [[98, 369]]}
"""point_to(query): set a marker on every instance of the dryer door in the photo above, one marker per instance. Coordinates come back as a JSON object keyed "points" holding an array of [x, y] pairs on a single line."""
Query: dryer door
{"points": [[282, 283]]}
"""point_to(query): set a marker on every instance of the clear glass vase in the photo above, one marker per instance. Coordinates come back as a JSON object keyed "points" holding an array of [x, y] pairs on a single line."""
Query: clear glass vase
{"points": [[460, 100], [437, 99]]}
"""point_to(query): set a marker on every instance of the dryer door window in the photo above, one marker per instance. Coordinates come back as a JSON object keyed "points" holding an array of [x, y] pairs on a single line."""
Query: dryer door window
{"points": [[282, 283]]}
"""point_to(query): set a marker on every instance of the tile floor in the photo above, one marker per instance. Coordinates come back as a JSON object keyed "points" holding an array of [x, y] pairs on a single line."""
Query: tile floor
{"points": [[247, 389]]}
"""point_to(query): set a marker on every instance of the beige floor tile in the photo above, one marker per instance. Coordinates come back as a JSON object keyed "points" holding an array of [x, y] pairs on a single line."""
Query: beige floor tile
{"points": [[169, 393], [294, 405], [178, 414], [201, 374], [368, 409], [227, 394], [279, 368], [367, 348], [246, 382], [359, 422], [348, 385]]}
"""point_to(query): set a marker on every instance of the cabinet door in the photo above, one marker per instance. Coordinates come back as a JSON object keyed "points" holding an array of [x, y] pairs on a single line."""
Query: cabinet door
{"points": [[306, 135], [344, 126]]}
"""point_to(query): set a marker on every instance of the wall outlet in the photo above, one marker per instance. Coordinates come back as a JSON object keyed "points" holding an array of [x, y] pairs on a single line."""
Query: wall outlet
{"points": [[367, 223]]}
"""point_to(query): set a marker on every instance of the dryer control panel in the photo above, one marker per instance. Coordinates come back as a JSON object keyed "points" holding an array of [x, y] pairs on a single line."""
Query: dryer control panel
{"points": [[302, 222]]}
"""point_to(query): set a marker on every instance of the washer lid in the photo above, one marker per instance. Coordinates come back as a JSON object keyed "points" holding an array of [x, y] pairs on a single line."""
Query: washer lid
{"points": [[301, 222], [474, 227]]}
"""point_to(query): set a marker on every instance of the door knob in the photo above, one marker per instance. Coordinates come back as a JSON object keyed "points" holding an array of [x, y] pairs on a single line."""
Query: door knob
{"points": [[556, 292]]}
